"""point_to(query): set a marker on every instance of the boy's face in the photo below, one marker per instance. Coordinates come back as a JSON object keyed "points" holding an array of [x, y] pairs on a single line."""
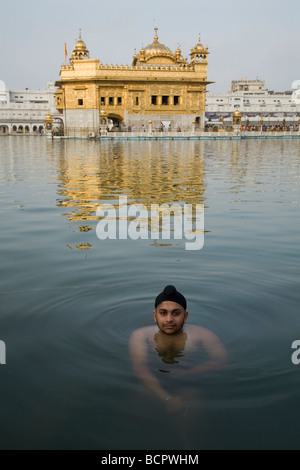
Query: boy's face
{"points": [[170, 317]]}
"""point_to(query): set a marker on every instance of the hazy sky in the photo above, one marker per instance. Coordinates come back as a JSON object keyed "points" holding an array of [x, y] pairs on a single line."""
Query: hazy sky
{"points": [[246, 39]]}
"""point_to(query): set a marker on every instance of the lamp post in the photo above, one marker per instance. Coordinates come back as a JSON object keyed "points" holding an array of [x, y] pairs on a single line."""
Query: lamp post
{"points": [[103, 122]]}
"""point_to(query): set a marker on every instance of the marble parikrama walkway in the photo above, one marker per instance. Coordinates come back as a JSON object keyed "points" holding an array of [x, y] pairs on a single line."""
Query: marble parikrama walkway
{"points": [[135, 136]]}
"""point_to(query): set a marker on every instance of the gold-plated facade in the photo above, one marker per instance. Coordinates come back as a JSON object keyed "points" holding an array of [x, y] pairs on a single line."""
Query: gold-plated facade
{"points": [[160, 86]]}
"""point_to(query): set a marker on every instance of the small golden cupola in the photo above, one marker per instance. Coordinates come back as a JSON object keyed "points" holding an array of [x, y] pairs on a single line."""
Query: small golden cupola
{"points": [[237, 118], [80, 51], [178, 56], [199, 53]]}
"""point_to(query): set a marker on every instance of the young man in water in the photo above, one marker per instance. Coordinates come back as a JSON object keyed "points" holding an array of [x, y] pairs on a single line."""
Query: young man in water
{"points": [[187, 351]]}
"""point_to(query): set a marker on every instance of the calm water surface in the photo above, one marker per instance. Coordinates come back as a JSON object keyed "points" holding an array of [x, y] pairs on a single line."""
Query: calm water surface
{"points": [[69, 302]]}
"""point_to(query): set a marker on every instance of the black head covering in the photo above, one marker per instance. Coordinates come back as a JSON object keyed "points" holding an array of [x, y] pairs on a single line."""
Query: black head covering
{"points": [[171, 294]]}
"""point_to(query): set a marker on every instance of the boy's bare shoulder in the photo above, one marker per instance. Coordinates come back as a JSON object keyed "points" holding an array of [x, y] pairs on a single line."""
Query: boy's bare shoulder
{"points": [[198, 332], [143, 333]]}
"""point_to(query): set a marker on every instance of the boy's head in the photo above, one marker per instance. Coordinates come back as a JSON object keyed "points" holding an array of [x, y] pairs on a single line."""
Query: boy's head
{"points": [[170, 312], [170, 294]]}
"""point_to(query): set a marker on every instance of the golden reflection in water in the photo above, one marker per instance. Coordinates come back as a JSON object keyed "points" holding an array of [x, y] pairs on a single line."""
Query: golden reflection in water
{"points": [[147, 173], [84, 246]]}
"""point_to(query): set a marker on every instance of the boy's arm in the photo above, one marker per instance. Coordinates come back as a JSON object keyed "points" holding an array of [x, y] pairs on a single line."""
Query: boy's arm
{"points": [[139, 357], [218, 356]]}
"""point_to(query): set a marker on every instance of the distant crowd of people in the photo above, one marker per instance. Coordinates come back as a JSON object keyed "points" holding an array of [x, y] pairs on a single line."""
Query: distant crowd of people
{"points": [[132, 128], [255, 128], [266, 128], [208, 128]]}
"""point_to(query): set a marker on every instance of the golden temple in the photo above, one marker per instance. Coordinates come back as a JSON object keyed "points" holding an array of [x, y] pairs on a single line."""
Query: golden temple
{"points": [[160, 90]]}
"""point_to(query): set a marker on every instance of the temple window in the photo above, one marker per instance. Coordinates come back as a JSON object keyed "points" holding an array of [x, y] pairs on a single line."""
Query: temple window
{"points": [[102, 100], [119, 101], [154, 100], [165, 101], [80, 102], [176, 100], [137, 101], [110, 101]]}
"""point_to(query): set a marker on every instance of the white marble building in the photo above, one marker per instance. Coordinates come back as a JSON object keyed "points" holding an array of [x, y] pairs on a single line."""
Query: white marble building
{"points": [[296, 92], [255, 103], [24, 111]]}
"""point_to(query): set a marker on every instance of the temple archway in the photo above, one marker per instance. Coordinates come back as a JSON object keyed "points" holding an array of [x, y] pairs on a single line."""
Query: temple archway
{"points": [[114, 121], [4, 129], [198, 122]]}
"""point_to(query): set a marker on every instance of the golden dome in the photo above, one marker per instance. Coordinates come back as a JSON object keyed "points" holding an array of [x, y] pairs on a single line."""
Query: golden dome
{"points": [[80, 51], [157, 48], [199, 53], [237, 113], [80, 45], [199, 47], [155, 53]]}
